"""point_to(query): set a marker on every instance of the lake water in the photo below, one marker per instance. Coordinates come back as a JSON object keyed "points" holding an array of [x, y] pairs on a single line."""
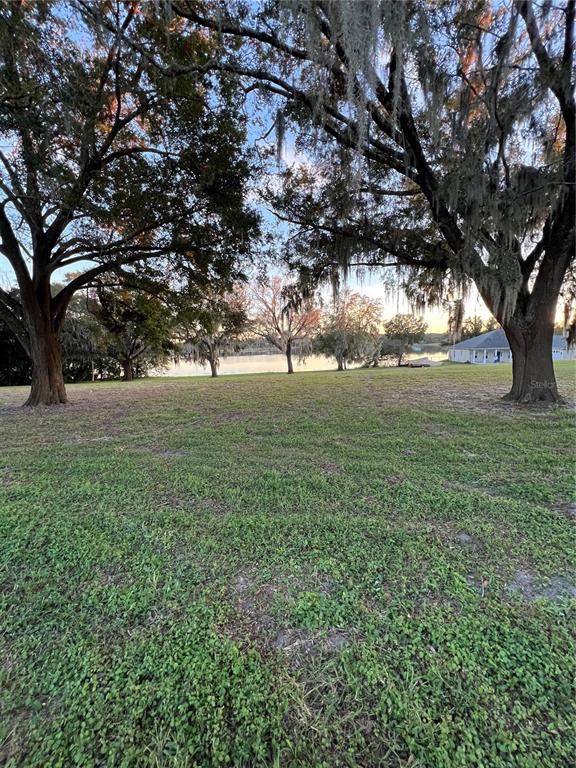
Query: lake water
{"points": [[268, 364]]}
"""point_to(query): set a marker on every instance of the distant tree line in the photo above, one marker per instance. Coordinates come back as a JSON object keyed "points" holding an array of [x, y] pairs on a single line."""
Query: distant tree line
{"points": [[118, 331]]}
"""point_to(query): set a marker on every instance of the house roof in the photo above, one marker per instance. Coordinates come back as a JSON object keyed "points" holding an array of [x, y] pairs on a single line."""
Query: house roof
{"points": [[497, 340]]}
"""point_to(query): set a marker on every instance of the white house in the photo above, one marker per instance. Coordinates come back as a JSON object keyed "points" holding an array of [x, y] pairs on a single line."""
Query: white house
{"points": [[493, 347]]}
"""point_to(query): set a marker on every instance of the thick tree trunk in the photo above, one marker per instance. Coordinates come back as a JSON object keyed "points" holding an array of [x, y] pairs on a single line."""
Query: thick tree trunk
{"points": [[289, 357], [47, 377], [533, 378], [213, 367], [340, 363], [128, 369], [41, 323], [530, 328]]}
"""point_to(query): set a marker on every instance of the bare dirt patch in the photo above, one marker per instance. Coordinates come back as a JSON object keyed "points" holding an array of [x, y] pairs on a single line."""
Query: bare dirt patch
{"points": [[478, 584], [6, 476], [209, 505], [228, 417], [529, 586], [430, 390], [442, 430], [486, 490], [170, 454], [445, 533], [255, 618], [565, 508], [306, 642], [113, 577]]}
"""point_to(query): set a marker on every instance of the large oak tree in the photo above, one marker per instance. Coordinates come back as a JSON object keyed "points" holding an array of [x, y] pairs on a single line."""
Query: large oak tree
{"points": [[105, 165], [468, 103]]}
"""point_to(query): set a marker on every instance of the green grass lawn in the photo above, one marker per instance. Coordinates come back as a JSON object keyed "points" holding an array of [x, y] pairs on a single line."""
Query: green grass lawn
{"points": [[370, 568]]}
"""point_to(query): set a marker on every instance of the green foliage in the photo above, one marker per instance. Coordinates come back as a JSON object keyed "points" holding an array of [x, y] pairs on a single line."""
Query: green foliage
{"points": [[140, 326], [475, 325], [15, 365], [113, 166], [176, 694], [471, 327], [437, 141], [212, 323], [350, 329], [155, 559], [87, 349], [403, 331]]}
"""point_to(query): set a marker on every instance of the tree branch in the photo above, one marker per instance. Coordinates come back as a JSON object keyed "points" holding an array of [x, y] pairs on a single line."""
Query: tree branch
{"points": [[10, 309], [558, 80], [11, 248]]}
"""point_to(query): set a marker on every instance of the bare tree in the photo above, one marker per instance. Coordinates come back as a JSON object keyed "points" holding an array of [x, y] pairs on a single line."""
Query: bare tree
{"points": [[281, 317]]}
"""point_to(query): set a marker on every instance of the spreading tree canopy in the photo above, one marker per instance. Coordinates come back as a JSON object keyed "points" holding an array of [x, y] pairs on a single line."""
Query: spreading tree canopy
{"points": [[105, 165], [465, 107], [140, 324], [404, 331], [213, 324], [350, 329]]}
